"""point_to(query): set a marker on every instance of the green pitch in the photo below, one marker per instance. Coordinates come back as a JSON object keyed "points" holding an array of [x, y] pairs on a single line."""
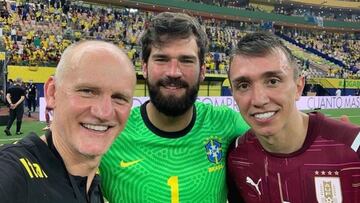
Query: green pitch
{"points": [[36, 126]]}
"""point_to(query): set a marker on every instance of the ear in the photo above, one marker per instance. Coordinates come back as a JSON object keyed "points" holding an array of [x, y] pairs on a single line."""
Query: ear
{"points": [[50, 92], [144, 69], [300, 83], [202, 72]]}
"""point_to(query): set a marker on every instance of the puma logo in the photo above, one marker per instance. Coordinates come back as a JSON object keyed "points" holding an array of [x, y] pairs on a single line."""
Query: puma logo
{"points": [[251, 182]]}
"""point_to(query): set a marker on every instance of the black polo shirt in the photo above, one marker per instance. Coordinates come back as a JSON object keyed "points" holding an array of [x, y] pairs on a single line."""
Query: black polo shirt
{"points": [[16, 92], [32, 171]]}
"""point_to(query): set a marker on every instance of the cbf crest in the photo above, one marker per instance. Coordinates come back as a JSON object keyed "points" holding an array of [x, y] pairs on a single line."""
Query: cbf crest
{"points": [[214, 150]]}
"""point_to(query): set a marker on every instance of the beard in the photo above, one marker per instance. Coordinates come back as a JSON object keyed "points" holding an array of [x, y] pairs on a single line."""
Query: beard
{"points": [[172, 105]]}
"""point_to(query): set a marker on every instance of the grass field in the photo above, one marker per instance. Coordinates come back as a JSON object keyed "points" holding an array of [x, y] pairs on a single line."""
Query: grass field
{"points": [[36, 126]]}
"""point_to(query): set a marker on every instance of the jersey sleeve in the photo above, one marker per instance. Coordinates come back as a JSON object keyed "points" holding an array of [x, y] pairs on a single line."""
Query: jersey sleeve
{"points": [[233, 192], [240, 124], [12, 179], [356, 144]]}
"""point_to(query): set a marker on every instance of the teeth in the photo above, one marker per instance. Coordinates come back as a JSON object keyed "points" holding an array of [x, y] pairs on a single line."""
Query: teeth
{"points": [[264, 115], [96, 127]]}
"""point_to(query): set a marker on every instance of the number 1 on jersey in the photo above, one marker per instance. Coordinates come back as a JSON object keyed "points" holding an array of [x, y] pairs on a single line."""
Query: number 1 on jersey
{"points": [[173, 182]]}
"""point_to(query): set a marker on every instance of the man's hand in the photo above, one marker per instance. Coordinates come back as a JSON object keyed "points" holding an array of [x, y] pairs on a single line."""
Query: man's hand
{"points": [[344, 118]]}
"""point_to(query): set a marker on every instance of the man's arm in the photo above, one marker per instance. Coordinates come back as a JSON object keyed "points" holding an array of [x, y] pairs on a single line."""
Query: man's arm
{"points": [[233, 192], [22, 98], [8, 98], [12, 181]]}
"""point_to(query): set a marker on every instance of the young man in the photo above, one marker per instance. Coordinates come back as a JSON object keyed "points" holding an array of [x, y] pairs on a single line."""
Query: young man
{"points": [[173, 149], [91, 97], [15, 97], [287, 156]]}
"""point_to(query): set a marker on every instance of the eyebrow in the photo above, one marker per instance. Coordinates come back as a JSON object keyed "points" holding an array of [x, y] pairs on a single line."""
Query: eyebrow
{"points": [[179, 57], [273, 73], [240, 79], [98, 89], [264, 75]]}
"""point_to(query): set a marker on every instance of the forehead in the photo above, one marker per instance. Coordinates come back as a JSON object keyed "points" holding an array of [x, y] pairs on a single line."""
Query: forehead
{"points": [[102, 69], [243, 65], [176, 47]]}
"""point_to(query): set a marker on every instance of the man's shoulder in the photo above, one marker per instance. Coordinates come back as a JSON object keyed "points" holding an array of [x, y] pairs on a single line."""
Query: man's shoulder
{"points": [[21, 146], [135, 114], [323, 127], [248, 138], [330, 126]]}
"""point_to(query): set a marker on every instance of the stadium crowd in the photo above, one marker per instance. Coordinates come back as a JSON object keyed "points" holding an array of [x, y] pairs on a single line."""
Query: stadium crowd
{"points": [[36, 34], [289, 9]]}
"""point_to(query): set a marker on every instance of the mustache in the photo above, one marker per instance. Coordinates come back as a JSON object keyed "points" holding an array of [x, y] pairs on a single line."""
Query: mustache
{"points": [[173, 82]]}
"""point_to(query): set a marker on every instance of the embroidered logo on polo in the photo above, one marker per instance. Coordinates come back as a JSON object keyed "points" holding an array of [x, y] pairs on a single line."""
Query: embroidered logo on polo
{"points": [[327, 186], [33, 169]]}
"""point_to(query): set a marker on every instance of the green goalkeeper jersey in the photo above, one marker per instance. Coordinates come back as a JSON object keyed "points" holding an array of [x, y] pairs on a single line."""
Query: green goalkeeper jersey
{"points": [[147, 165]]}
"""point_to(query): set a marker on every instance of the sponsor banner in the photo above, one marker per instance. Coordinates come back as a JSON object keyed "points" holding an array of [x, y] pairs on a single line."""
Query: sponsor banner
{"points": [[339, 83], [304, 103], [36, 74], [330, 102]]}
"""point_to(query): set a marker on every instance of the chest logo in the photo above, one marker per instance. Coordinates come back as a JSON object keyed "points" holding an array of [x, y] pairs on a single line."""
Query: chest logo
{"points": [[214, 151], [256, 185], [124, 164], [328, 189]]}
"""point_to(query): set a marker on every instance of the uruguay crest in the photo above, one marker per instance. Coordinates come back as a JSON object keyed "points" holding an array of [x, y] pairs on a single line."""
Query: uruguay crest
{"points": [[214, 151], [328, 189]]}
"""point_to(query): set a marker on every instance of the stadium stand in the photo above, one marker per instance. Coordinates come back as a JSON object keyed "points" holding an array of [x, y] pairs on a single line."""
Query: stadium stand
{"points": [[35, 33]]}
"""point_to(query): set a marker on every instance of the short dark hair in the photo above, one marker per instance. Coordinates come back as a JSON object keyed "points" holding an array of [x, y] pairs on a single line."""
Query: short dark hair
{"points": [[262, 44], [168, 26]]}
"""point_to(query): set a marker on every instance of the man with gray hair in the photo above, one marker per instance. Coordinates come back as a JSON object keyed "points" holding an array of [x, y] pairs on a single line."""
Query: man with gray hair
{"points": [[91, 97]]}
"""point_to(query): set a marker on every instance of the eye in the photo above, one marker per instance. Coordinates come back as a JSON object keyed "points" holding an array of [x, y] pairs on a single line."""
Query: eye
{"points": [[121, 100], [86, 92], [187, 61], [273, 81], [242, 86]]}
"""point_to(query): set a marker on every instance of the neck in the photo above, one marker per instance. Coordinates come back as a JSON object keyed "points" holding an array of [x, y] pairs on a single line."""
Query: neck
{"points": [[290, 139], [76, 164], [168, 123]]}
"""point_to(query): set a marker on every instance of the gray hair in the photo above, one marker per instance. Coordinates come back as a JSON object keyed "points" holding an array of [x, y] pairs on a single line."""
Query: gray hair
{"points": [[71, 56]]}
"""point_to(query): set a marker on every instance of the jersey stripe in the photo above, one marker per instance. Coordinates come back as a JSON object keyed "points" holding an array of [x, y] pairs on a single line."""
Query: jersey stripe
{"points": [[356, 144]]}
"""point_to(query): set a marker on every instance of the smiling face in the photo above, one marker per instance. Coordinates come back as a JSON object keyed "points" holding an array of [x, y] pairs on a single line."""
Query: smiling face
{"points": [[265, 90], [91, 100], [173, 74]]}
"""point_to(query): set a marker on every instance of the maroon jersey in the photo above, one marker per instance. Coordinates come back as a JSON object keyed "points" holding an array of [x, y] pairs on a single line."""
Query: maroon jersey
{"points": [[325, 169]]}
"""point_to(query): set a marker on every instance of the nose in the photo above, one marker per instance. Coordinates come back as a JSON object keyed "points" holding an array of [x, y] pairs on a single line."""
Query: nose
{"points": [[174, 68], [103, 108], [259, 96]]}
